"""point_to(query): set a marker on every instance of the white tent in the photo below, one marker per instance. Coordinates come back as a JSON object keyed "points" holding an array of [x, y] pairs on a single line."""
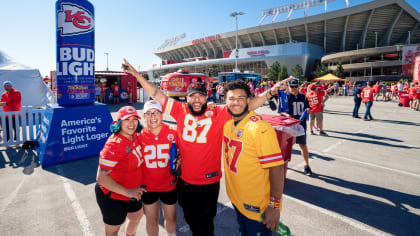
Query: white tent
{"points": [[25, 79]]}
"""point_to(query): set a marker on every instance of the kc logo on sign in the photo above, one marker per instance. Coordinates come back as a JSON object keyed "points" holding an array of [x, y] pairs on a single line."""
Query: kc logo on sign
{"points": [[73, 19]]}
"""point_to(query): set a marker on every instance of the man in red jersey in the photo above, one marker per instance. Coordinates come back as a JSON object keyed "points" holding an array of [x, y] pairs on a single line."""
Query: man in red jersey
{"points": [[199, 132], [304, 88], [156, 140], [317, 99], [376, 90], [367, 99], [11, 100]]}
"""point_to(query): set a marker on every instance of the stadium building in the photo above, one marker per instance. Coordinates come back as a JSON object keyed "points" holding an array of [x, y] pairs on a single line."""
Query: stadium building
{"points": [[376, 40]]}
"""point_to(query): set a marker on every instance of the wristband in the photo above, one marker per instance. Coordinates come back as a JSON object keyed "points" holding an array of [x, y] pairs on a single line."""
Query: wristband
{"points": [[275, 199], [274, 205]]}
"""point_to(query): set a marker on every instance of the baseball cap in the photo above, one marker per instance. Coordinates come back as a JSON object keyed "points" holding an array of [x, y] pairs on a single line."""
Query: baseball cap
{"points": [[312, 86], [7, 83], [152, 104], [197, 88], [293, 82], [126, 112]]}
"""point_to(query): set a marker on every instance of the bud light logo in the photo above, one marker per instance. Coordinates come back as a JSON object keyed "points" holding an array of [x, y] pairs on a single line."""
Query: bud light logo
{"points": [[73, 20]]}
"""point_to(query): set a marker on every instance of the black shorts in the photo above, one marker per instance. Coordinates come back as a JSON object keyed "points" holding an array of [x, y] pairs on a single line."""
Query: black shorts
{"points": [[301, 139], [115, 96], [168, 197], [114, 211]]}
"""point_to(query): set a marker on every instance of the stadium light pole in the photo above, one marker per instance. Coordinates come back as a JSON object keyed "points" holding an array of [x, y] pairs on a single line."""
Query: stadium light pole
{"points": [[235, 14], [106, 60]]}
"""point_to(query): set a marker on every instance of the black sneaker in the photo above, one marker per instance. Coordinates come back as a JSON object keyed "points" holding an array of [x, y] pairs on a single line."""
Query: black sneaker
{"points": [[312, 132], [307, 171], [323, 133]]}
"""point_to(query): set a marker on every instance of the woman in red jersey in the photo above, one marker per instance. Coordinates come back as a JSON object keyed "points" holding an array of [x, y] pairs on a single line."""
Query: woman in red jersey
{"points": [[156, 140], [119, 177], [367, 99]]}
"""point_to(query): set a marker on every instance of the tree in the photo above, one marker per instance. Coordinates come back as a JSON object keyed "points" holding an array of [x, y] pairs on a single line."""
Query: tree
{"points": [[339, 71], [273, 71], [321, 70], [297, 72], [283, 73]]}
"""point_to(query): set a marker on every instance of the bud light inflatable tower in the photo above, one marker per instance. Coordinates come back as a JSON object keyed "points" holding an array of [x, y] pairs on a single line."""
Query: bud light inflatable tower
{"points": [[76, 127]]}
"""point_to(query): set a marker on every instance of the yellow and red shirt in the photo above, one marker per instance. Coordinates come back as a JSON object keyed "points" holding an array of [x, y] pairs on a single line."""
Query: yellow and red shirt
{"points": [[123, 158], [199, 141], [249, 149], [155, 151]]}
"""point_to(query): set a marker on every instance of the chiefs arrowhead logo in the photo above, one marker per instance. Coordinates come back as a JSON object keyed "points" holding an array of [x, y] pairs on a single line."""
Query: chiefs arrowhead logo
{"points": [[73, 20]]}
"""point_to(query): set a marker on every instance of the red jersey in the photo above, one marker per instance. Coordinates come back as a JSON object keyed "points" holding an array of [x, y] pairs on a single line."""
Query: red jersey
{"points": [[13, 99], [155, 151], [103, 89], [315, 100], [123, 157], [115, 90], [199, 141], [388, 88], [376, 88], [367, 94]]}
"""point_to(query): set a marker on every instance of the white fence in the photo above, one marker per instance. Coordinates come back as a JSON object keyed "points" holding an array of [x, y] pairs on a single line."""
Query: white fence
{"points": [[27, 123]]}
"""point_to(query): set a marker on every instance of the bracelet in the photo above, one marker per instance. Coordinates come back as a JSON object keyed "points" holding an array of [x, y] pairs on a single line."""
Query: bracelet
{"points": [[275, 199], [269, 92], [274, 205]]}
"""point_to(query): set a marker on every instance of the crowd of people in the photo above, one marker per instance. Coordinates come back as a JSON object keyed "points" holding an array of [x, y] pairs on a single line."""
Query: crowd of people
{"points": [[134, 166]]}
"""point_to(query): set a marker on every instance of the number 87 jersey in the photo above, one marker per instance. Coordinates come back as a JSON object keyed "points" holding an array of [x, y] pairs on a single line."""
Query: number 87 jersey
{"points": [[199, 141]]}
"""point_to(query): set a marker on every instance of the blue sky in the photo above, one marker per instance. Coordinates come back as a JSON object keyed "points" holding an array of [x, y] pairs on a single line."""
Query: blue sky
{"points": [[133, 29]]}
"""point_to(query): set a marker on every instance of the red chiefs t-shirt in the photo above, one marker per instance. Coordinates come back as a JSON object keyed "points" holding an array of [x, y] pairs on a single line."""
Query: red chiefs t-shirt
{"points": [[115, 89], [123, 157], [367, 94], [315, 100], [376, 88], [155, 151], [103, 88], [411, 92], [199, 141]]}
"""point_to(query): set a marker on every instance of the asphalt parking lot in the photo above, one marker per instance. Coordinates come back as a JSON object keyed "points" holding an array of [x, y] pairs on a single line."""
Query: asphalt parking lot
{"points": [[366, 182]]}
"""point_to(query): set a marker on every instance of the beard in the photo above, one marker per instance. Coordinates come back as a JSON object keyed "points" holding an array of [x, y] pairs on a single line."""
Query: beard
{"points": [[240, 114], [197, 113]]}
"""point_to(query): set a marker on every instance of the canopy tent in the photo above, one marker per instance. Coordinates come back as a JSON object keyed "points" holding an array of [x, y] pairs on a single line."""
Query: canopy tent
{"points": [[328, 77], [25, 79]]}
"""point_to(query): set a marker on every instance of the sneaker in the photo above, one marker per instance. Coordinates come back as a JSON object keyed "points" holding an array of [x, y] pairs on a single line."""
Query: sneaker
{"points": [[316, 128], [366, 119], [371, 118], [312, 132], [357, 117], [307, 171], [323, 133]]}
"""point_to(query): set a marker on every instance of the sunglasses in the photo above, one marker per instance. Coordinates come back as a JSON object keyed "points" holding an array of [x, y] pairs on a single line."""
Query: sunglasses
{"points": [[293, 86], [155, 113]]}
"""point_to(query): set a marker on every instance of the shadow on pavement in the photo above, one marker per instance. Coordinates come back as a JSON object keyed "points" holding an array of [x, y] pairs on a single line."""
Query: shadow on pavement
{"points": [[372, 142], [20, 158], [312, 155], [363, 135], [82, 171], [363, 209]]}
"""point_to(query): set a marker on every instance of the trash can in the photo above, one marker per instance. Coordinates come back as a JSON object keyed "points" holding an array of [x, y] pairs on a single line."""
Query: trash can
{"points": [[287, 129], [404, 100]]}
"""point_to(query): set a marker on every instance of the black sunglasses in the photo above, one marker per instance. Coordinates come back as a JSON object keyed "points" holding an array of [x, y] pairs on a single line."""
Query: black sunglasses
{"points": [[293, 86]]}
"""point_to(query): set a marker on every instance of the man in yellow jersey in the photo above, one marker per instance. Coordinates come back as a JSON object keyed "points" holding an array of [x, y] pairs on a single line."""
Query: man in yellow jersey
{"points": [[253, 164]]}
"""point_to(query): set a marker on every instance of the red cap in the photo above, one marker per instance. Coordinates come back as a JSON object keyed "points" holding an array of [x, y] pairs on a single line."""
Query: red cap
{"points": [[126, 112]]}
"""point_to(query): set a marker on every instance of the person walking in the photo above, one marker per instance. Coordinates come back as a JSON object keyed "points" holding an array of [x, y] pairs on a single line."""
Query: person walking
{"points": [[119, 176], [253, 164], [357, 101], [367, 95], [11, 100], [317, 99]]}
